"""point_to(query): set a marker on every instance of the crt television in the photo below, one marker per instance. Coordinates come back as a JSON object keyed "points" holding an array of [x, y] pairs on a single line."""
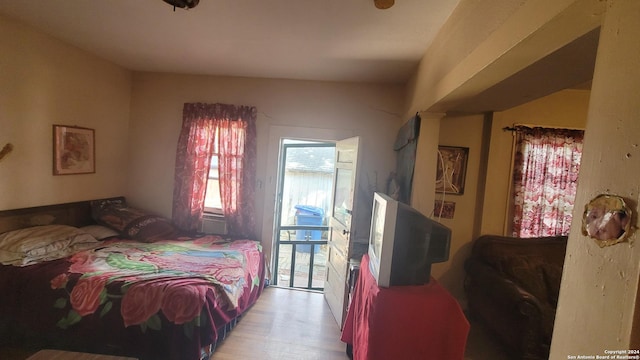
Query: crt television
{"points": [[403, 243]]}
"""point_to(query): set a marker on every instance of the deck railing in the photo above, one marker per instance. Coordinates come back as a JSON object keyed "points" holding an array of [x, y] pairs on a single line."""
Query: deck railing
{"points": [[301, 256]]}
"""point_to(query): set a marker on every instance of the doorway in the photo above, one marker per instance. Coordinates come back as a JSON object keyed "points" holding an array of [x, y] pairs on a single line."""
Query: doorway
{"points": [[303, 200]]}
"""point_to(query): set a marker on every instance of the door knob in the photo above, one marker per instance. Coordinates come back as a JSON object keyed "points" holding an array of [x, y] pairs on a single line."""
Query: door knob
{"points": [[345, 232]]}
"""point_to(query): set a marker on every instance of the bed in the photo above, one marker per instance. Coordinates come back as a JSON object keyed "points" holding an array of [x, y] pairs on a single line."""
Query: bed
{"points": [[102, 277]]}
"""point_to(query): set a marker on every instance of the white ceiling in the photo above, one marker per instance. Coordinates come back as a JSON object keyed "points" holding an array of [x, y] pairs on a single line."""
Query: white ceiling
{"points": [[334, 40]]}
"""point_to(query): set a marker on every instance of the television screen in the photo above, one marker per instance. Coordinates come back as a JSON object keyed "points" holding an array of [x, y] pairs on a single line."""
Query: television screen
{"points": [[403, 243], [377, 228]]}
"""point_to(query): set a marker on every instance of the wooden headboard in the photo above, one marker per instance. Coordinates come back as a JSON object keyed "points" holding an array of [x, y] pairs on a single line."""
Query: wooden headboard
{"points": [[74, 214]]}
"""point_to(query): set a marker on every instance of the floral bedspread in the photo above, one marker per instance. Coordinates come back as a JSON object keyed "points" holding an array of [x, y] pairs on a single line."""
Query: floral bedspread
{"points": [[169, 277]]}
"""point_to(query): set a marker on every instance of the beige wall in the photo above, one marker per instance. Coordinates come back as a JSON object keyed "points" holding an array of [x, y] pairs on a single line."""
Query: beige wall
{"points": [[286, 108], [464, 131], [470, 24], [45, 82], [482, 44], [600, 286]]}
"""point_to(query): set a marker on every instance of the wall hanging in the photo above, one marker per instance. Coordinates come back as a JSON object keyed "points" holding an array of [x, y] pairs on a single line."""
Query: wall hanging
{"points": [[452, 169], [444, 209], [73, 150], [405, 147]]}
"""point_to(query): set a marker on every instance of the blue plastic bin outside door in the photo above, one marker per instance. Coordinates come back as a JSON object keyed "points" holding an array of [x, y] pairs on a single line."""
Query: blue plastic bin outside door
{"points": [[309, 215]]}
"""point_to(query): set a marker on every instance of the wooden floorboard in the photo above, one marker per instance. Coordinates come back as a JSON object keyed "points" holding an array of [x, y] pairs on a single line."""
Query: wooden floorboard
{"points": [[292, 324], [285, 324]]}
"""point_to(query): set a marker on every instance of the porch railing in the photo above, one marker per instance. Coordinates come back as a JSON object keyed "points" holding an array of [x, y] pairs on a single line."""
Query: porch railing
{"points": [[289, 245]]}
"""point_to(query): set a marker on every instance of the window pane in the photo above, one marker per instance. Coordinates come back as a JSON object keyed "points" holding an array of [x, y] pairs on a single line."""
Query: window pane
{"points": [[212, 198], [213, 168]]}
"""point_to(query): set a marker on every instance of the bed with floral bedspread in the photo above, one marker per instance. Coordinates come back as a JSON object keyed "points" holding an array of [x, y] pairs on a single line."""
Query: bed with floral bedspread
{"points": [[165, 299]]}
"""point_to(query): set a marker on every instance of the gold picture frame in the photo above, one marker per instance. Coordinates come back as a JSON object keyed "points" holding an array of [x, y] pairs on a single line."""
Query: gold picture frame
{"points": [[452, 169], [73, 150]]}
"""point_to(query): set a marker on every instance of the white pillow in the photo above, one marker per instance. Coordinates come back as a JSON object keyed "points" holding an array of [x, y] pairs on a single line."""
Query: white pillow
{"points": [[100, 232], [42, 243]]}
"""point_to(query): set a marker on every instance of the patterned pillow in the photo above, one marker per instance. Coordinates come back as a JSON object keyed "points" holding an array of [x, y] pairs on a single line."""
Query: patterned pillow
{"points": [[132, 222]]}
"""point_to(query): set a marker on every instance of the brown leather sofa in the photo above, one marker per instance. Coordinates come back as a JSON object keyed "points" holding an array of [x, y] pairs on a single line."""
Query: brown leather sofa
{"points": [[512, 287]]}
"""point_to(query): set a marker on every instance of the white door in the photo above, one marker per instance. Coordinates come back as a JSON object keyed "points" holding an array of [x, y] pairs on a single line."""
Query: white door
{"points": [[341, 226]]}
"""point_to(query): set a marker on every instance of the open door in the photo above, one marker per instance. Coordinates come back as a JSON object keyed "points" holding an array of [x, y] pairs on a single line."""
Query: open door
{"points": [[341, 226]]}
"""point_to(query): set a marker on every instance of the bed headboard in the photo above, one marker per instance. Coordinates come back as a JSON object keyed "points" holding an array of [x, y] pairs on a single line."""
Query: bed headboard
{"points": [[74, 214]]}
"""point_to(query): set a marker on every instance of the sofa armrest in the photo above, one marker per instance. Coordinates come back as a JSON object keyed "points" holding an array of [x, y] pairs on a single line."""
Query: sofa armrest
{"points": [[502, 291], [510, 311]]}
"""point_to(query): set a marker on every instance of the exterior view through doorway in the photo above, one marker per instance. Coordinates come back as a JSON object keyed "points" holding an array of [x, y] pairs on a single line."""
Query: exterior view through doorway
{"points": [[303, 200]]}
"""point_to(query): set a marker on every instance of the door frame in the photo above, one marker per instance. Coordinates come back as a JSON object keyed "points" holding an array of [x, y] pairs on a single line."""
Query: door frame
{"points": [[267, 185]]}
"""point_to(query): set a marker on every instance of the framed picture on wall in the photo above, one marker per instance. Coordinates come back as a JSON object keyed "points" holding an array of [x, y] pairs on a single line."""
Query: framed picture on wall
{"points": [[73, 150], [452, 169], [444, 209]]}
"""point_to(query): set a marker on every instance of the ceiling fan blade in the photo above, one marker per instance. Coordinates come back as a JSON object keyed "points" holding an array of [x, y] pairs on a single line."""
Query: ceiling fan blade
{"points": [[183, 4]]}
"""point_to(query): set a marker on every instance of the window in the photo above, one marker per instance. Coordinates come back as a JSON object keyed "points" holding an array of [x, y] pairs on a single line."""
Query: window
{"points": [[229, 132], [212, 202], [546, 166]]}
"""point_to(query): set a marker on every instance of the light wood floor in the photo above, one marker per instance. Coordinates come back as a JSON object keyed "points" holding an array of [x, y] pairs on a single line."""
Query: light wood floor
{"points": [[285, 324], [293, 324]]}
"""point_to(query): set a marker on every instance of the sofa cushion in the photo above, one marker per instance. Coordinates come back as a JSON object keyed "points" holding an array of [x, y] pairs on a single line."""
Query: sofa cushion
{"points": [[533, 263], [528, 273]]}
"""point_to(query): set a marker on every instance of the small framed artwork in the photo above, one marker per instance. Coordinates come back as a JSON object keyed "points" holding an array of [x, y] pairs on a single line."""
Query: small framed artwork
{"points": [[73, 150], [452, 169], [444, 209]]}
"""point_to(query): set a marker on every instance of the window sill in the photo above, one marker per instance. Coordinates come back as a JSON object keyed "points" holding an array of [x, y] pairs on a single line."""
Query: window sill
{"points": [[213, 215]]}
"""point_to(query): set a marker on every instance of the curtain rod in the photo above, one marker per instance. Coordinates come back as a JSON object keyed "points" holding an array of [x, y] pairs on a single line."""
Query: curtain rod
{"points": [[516, 126]]}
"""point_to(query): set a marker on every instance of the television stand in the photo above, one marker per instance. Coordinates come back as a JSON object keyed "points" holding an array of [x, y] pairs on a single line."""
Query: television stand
{"points": [[403, 322]]}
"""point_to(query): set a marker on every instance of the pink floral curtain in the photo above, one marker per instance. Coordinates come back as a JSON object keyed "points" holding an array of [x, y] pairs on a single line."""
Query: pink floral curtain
{"points": [[547, 162], [236, 149], [230, 132]]}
